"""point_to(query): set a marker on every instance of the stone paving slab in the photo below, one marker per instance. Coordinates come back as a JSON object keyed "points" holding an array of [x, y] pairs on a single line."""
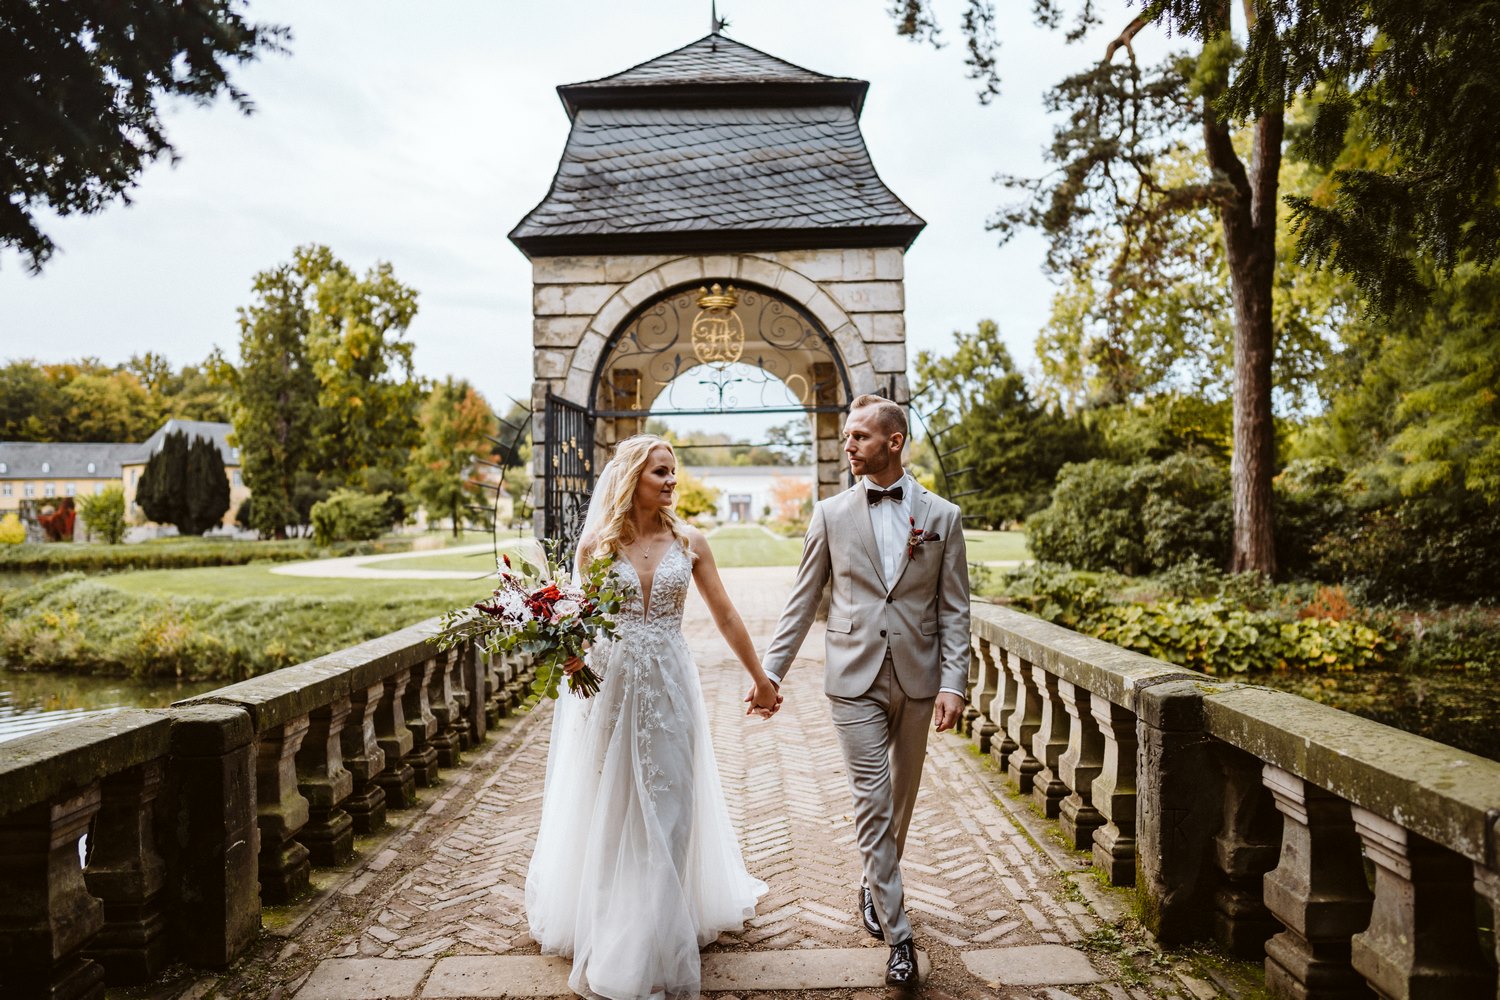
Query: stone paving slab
{"points": [[365, 979], [499, 976], [1032, 965]]}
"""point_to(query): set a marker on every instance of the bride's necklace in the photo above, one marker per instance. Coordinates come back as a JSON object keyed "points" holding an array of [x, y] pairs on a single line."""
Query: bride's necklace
{"points": [[646, 554]]}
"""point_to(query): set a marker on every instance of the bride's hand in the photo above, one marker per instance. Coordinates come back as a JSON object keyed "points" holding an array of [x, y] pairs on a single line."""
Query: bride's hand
{"points": [[764, 699], [573, 666]]}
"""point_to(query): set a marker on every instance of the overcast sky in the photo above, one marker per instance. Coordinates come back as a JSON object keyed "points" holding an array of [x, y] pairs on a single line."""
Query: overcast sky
{"points": [[420, 133]]}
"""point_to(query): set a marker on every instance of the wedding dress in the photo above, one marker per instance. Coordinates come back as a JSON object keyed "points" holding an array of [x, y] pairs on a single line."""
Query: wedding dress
{"points": [[636, 864]]}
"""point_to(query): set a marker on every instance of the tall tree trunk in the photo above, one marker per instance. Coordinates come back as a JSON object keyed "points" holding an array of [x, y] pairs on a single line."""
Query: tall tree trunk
{"points": [[1249, 221]]}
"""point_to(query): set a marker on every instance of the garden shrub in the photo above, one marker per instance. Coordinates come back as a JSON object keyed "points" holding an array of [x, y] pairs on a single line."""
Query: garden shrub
{"points": [[1310, 504], [104, 513], [188, 553], [1135, 518], [348, 516], [12, 531]]}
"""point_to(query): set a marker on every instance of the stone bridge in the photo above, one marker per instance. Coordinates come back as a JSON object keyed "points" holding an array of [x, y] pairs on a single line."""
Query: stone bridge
{"points": [[1107, 826]]}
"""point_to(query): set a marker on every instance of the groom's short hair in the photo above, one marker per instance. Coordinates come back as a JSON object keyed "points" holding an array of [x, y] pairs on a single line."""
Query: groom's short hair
{"points": [[891, 417]]}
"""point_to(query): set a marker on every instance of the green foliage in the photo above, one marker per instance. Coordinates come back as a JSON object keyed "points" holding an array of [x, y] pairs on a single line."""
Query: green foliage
{"points": [[455, 421], [694, 496], [347, 516], [104, 513], [1011, 446], [183, 553], [185, 485], [86, 400], [85, 79], [1135, 518], [70, 622], [324, 390]]}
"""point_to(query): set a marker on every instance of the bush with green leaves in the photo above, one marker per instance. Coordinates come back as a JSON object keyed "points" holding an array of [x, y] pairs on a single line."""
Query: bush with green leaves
{"points": [[1135, 518], [348, 516], [104, 513], [186, 553]]}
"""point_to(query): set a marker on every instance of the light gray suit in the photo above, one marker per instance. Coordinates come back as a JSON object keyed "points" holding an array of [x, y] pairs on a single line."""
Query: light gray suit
{"points": [[891, 645]]}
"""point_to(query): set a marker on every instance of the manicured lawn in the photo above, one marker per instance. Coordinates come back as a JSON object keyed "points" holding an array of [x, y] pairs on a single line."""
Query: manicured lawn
{"points": [[226, 583], [750, 546], [991, 546], [464, 562]]}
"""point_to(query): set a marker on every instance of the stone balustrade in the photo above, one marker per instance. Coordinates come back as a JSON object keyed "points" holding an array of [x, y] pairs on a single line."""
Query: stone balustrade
{"points": [[136, 838], [1355, 859]]}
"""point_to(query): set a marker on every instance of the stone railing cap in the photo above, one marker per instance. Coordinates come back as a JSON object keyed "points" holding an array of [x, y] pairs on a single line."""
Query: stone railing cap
{"points": [[55, 762], [1436, 791]]}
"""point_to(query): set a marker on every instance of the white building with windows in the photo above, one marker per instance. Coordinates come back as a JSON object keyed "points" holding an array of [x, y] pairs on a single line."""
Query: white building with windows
{"points": [[747, 493]]}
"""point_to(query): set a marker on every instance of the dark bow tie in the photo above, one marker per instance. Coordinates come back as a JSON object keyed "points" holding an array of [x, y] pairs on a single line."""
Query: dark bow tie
{"points": [[875, 496]]}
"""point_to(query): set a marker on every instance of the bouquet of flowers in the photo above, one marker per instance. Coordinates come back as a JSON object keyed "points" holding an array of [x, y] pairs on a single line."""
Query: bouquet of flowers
{"points": [[539, 610]]}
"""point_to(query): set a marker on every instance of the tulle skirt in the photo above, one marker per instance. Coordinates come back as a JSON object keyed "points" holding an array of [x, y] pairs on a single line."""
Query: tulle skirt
{"points": [[636, 864]]}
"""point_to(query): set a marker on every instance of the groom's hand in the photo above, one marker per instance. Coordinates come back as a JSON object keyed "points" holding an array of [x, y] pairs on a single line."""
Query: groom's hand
{"points": [[764, 699], [946, 712]]}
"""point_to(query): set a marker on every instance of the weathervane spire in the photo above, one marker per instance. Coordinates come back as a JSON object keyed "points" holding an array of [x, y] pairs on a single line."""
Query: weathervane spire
{"points": [[716, 24]]}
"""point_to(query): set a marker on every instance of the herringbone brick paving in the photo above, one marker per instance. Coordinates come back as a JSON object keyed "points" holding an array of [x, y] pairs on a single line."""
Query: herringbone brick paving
{"points": [[452, 883]]}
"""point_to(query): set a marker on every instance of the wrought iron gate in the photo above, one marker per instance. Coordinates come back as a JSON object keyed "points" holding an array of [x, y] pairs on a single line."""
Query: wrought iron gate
{"points": [[568, 469]]}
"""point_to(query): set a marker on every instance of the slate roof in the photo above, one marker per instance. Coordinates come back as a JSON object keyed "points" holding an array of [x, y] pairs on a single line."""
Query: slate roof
{"points": [[24, 459], [715, 146]]}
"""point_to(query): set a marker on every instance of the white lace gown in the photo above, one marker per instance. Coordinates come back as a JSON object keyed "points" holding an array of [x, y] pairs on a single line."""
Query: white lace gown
{"points": [[636, 864]]}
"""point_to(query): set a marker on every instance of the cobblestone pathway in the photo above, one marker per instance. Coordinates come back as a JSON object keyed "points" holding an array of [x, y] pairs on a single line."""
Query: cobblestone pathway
{"points": [[432, 908]]}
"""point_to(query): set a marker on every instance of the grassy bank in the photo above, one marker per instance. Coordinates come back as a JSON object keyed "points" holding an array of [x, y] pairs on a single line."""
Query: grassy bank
{"points": [[224, 623]]}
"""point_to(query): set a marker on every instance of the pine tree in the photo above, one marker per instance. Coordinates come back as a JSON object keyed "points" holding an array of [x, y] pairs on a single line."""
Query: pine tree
{"points": [[160, 493], [185, 485], [207, 491]]}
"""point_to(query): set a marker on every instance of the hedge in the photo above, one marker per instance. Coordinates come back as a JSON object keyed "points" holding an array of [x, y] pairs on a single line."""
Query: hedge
{"points": [[61, 557]]}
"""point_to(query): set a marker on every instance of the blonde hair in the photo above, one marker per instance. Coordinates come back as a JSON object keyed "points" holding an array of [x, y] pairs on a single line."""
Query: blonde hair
{"points": [[616, 525]]}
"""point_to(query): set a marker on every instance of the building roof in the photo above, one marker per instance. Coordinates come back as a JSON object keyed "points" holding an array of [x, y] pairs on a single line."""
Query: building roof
{"points": [[25, 459], [715, 146], [214, 430], [722, 471]]}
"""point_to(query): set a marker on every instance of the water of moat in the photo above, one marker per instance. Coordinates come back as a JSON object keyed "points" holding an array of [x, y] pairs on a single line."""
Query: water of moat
{"points": [[31, 701]]}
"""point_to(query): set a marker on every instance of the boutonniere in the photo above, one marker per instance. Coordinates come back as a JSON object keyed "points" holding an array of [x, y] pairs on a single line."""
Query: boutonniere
{"points": [[917, 537]]}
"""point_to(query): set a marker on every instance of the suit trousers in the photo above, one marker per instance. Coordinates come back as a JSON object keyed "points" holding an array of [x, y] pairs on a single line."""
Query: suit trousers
{"points": [[884, 737]]}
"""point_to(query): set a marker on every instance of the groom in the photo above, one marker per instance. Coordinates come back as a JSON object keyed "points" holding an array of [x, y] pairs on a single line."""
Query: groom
{"points": [[897, 646]]}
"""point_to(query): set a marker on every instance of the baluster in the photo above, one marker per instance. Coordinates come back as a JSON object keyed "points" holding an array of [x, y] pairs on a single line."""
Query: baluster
{"points": [[971, 700], [983, 727], [127, 873], [1079, 765], [46, 911], [1002, 705], [364, 759], [1113, 792], [1021, 766], [327, 784], [459, 689], [476, 687], [281, 811], [1317, 891], [1422, 942], [1048, 744], [444, 734], [397, 780], [1487, 885], [1245, 848], [423, 757], [492, 688]]}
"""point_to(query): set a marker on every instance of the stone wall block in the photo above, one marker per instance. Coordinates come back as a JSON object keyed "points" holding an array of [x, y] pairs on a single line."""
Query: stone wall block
{"points": [[567, 270], [551, 364], [869, 296], [610, 316], [1113, 792], [859, 265], [558, 331], [1002, 705], [547, 300], [1422, 942], [212, 835], [620, 269], [851, 345], [422, 723], [327, 785], [586, 300], [1178, 810], [46, 910], [1246, 848], [881, 327], [127, 873], [1078, 766], [1048, 789], [1021, 766], [815, 265], [364, 759], [1317, 891], [888, 358], [795, 286], [397, 779], [721, 267], [759, 271], [826, 311], [282, 811], [682, 271]]}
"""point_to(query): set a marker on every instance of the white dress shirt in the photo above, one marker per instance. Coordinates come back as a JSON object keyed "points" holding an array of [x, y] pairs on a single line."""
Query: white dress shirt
{"points": [[892, 523]]}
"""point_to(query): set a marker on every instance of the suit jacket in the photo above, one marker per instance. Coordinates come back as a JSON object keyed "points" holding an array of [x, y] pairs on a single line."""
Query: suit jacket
{"points": [[922, 615]]}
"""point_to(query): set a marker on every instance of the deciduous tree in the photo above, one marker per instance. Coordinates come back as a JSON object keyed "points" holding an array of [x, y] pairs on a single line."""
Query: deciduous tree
{"points": [[455, 420]]}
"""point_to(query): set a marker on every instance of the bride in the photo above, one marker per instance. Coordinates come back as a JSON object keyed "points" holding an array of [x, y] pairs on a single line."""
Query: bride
{"points": [[636, 865]]}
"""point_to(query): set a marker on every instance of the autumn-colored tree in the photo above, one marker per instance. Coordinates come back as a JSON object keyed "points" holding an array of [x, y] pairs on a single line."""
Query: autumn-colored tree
{"points": [[694, 496], [791, 498], [455, 420]]}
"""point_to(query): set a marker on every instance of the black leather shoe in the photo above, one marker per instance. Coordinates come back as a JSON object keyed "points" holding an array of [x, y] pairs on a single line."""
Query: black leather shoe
{"points": [[901, 970], [867, 914]]}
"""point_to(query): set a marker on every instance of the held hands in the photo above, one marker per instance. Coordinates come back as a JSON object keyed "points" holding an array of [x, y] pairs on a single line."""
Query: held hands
{"points": [[946, 711], [764, 699]]}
